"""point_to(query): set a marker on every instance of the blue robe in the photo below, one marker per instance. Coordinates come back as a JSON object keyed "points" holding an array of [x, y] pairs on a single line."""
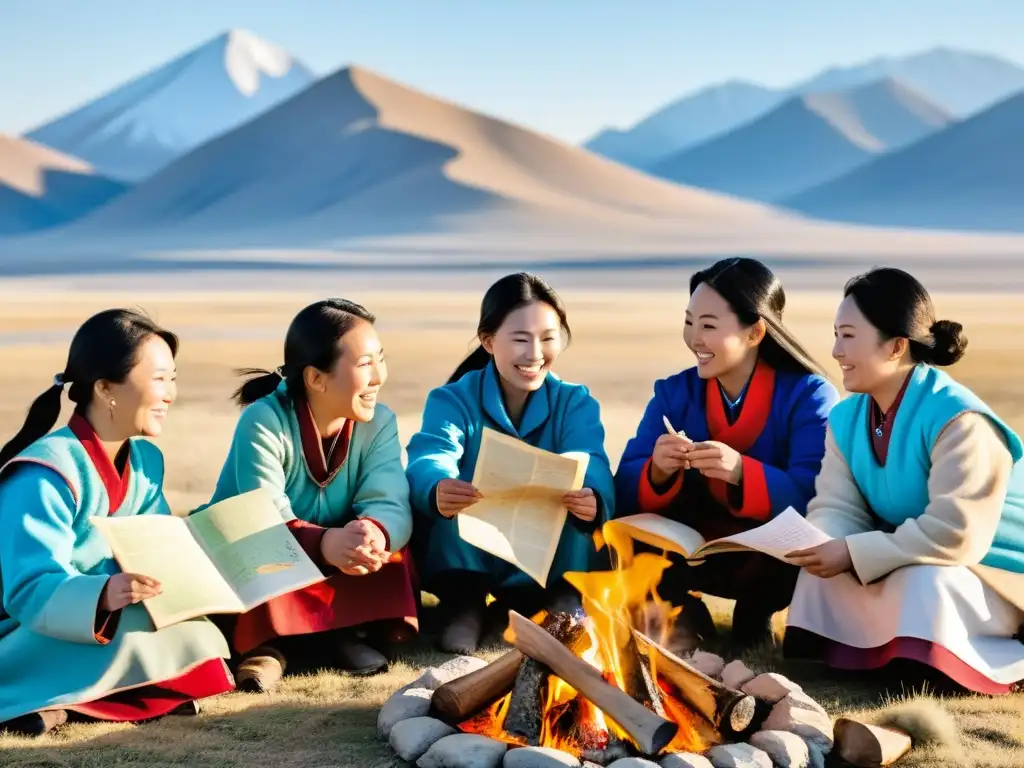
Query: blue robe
{"points": [[53, 567], [780, 431], [559, 417]]}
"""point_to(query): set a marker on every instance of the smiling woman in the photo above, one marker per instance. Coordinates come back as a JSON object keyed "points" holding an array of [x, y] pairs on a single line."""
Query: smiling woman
{"points": [[753, 411], [73, 636], [313, 433], [506, 384]]}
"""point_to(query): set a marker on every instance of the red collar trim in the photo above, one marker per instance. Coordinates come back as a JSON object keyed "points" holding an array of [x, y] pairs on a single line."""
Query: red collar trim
{"points": [[116, 485], [754, 412], [321, 468]]}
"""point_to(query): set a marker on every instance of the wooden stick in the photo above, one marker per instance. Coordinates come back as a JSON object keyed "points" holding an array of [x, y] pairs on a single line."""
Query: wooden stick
{"points": [[729, 710], [464, 696], [650, 732], [869, 746]]}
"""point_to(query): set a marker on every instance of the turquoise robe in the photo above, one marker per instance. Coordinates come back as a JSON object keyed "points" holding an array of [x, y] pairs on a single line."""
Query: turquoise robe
{"points": [[898, 491], [559, 417], [266, 452], [53, 567]]}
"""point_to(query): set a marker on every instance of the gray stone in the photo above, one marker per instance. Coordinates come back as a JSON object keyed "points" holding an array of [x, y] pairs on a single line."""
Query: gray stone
{"points": [[463, 750], [770, 687], [738, 756], [411, 738], [787, 750], [435, 677], [402, 705], [633, 762], [799, 714], [708, 663], [685, 760], [736, 674], [539, 757]]}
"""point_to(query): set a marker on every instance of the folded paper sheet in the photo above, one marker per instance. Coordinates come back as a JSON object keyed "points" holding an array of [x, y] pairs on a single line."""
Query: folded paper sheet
{"points": [[521, 515]]}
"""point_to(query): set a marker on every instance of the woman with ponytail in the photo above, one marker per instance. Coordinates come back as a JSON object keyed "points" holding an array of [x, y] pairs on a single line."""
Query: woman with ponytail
{"points": [[750, 418], [507, 385], [922, 490], [73, 635], [313, 433]]}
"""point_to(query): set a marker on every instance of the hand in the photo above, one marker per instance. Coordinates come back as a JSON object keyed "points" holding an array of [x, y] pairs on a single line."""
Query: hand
{"points": [[582, 503], [825, 560], [670, 456], [717, 461], [124, 589], [356, 549], [453, 496]]}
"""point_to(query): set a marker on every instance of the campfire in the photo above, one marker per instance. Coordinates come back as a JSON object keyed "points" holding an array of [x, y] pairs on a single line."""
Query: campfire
{"points": [[595, 684]]}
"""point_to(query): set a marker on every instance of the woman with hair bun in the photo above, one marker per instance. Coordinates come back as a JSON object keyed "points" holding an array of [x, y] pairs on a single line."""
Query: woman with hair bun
{"points": [[922, 490], [74, 637]]}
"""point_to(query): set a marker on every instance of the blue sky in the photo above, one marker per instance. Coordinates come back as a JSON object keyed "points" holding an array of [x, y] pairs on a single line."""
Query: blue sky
{"points": [[567, 67]]}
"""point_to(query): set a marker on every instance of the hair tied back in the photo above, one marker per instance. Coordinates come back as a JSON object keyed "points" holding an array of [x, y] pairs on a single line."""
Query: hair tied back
{"points": [[59, 380]]}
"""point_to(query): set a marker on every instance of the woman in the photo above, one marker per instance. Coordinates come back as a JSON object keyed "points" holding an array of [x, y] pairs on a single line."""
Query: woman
{"points": [[506, 384], [753, 411], [313, 433], [922, 489], [73, 636]]}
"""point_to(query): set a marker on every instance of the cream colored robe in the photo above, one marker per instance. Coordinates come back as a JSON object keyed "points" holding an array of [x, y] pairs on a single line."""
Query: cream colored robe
{"points": [[966, 486]]}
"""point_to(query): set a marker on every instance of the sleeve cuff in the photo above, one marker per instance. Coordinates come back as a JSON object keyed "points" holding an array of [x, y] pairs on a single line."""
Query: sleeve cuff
{"points": [[874, 555], [106, 625], [310, 537], [651, 499], [755, 501], [70, 613]]}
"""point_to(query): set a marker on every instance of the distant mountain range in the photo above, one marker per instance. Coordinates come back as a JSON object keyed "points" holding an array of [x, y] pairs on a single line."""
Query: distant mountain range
{"points": [[969, 176], [133, 130], [358, 154], [962, 82], [807, 140], [41, 188]]}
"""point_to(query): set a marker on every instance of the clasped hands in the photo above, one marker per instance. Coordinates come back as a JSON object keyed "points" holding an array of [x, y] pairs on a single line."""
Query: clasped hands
{"points": [[453, 496], [675, 453], [356, 549]]}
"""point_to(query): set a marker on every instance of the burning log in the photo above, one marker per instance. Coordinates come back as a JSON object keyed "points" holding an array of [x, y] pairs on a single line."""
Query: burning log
{"points": [[464, 696], [730, 711], [525, 716], [651, 732], [640, 684]]}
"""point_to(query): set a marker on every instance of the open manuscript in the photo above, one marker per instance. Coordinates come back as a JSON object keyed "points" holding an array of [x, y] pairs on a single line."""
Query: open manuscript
{"points": [[227, 558], [785, 533], [521, 515]]}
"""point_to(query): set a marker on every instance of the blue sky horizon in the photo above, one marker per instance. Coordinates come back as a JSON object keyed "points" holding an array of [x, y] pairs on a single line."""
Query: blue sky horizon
{"points": [[567, 68]]}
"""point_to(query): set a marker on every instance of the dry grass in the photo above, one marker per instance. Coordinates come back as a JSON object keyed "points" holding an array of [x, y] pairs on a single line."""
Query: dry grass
{"points": [[622, 343]]}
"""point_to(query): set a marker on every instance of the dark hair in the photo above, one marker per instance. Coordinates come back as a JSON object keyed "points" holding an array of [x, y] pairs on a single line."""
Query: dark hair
{"points": [[502, 299], [899, 307], [106, 347], [754, 293], [312, 340]]}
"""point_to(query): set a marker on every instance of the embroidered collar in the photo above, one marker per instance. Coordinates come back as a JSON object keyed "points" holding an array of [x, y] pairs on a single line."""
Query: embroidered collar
{"points": [[322, 466], [114, 483], [742, 433]]}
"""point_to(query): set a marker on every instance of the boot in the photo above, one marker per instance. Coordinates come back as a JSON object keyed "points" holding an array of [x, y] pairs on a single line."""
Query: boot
{"points": [[357, 658], [35, 723], [260, 670], [465, 626]]}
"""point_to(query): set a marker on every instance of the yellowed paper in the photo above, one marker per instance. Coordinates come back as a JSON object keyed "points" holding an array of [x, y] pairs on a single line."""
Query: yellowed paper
{"points": [[654, 530], [227, 558], [521, 515]]}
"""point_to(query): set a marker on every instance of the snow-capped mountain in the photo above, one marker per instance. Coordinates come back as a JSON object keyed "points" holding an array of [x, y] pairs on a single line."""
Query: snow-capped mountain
{"points": [[135, 129]]}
